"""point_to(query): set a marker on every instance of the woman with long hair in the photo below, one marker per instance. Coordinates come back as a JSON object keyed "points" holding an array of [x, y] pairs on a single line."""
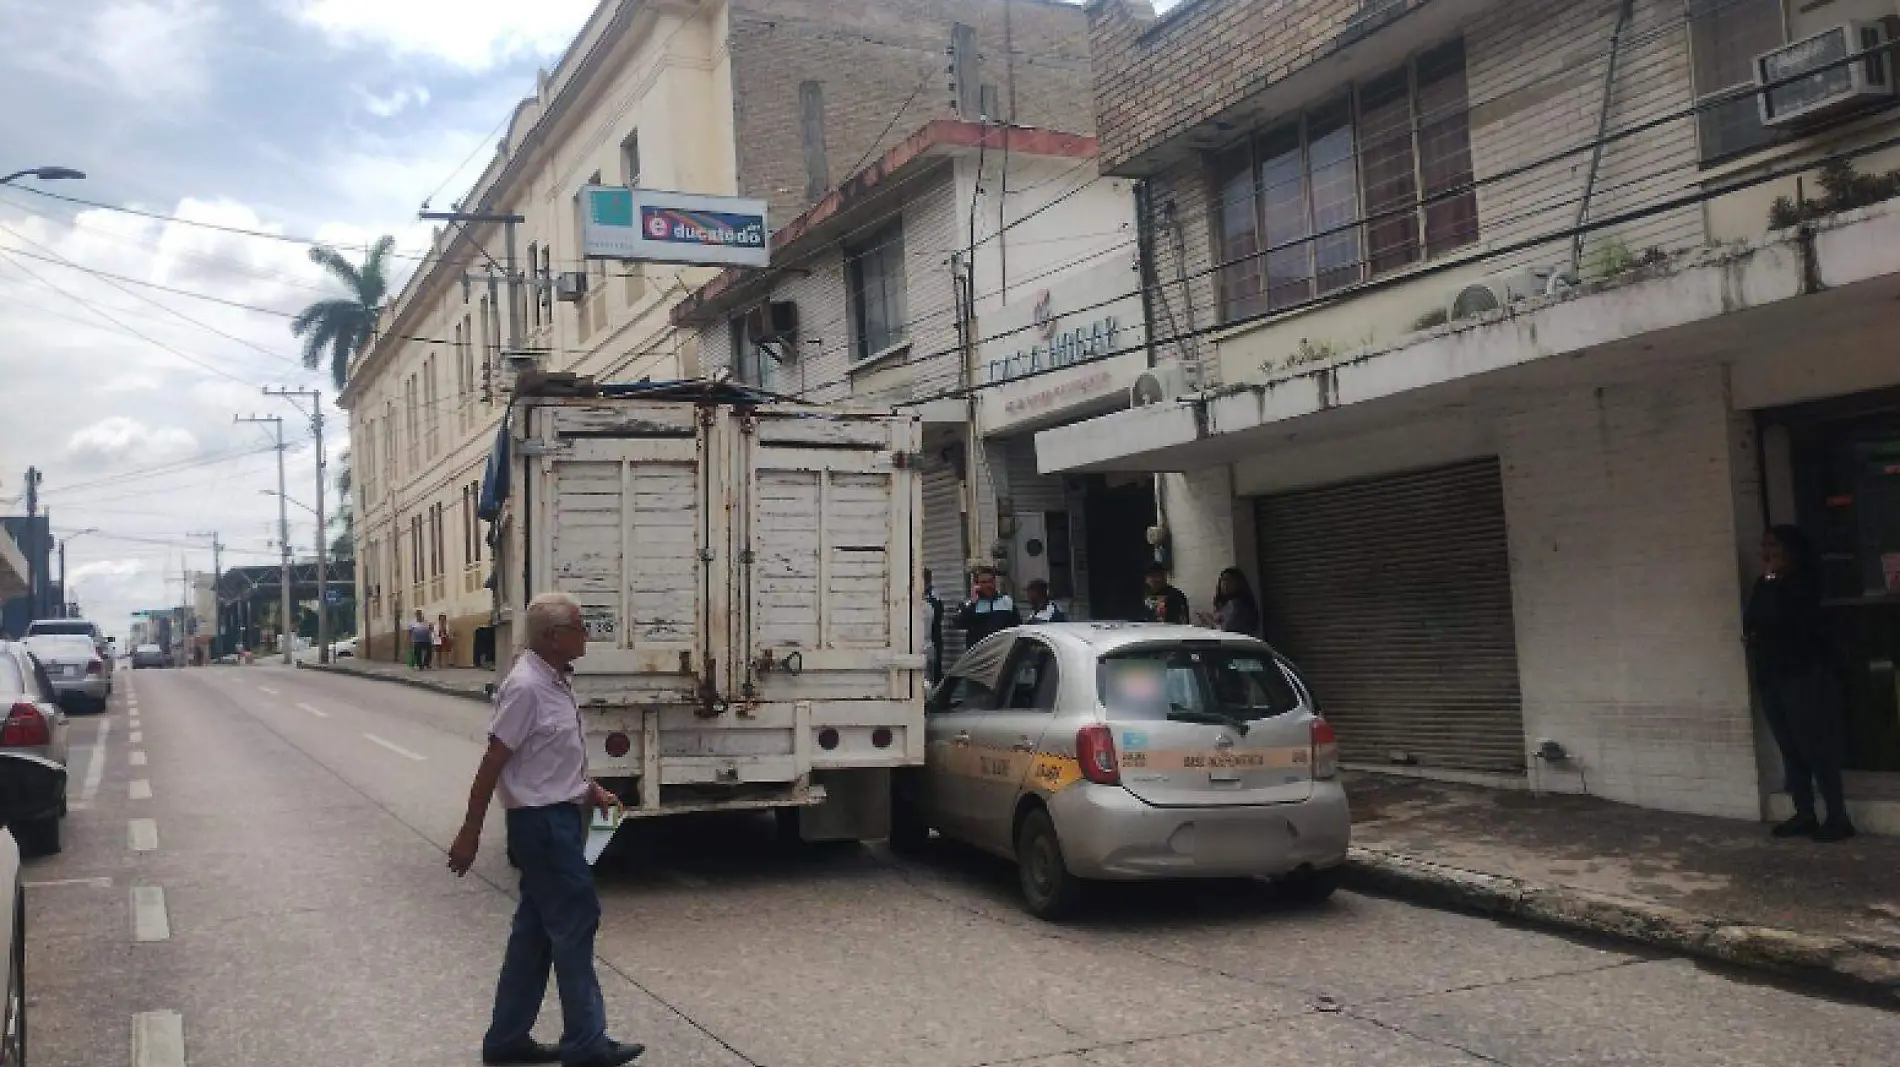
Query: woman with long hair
{"points": [[1801, 698], [1235, 609]]}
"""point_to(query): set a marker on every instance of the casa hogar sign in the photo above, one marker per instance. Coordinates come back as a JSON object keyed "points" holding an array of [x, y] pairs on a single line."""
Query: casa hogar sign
{"points": [[1052, 343], [661, 227]]}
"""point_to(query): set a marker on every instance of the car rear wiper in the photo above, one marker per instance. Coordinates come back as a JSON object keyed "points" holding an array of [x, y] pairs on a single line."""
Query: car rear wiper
{"points": [[1183, 713]]}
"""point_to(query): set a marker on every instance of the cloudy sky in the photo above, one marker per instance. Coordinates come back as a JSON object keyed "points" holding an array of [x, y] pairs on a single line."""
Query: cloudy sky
{"points": [[325, 119]]}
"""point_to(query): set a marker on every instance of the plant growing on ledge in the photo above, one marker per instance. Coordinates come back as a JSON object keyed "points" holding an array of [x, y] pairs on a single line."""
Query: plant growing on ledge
{"points": [[1842, 189]]}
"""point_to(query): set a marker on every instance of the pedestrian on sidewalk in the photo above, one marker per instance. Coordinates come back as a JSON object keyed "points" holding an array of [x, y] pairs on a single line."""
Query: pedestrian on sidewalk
{"points": [[419, 642], [537, 762], [1164, 603], [1800, 696], [1235, 609], [1041, 608], [987, 611], [440, 639]]}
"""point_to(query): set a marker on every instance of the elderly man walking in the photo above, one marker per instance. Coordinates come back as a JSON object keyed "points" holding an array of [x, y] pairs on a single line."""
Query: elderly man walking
{"points": [[537, 758]]}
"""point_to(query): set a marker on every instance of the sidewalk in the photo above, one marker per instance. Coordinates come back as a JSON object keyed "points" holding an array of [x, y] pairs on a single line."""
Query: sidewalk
{"points": [[470, 682], [1715, 888]]}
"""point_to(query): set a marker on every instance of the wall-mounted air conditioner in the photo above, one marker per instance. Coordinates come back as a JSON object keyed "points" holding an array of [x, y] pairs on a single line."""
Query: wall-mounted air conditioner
{"points": [[1161, 383], [776, 320], [570, 288], [1498, 291], [1835, 86]]}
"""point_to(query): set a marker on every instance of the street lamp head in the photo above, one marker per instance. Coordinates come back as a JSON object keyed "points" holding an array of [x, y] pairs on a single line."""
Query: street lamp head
{"points": [[53, 174]]}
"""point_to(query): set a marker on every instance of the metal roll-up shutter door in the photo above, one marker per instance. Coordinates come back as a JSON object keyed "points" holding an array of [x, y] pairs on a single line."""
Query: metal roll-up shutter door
{"points": [[943, 547], [1393, 596]]}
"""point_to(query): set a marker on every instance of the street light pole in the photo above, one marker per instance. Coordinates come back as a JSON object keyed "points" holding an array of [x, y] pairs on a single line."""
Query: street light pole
{"points": [[323, 570], [66, 593], [283, 527]]}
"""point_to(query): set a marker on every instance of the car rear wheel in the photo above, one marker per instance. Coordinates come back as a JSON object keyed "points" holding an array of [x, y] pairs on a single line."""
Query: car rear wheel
{"points": [[1049, 891], [39, 837], [1308, 886]]}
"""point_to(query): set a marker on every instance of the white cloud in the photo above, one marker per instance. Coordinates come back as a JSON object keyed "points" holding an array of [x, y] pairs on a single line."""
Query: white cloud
{"points": [[155, 49], [475, 35], [395, 102], [105, 568], [120, 437]]}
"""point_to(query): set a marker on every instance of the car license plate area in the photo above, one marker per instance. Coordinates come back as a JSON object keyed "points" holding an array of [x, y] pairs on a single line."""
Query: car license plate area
{"points": [[71, 671], [1225, 841]]}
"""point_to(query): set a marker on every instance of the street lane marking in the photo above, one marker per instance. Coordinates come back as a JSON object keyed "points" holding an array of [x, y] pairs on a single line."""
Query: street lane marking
{"points": [[137, 738], [143, 834], [158, 1039], [318, 712], [96, 763], [138, 758], [267, 689], [96, 883], [141, 789], [149, 920], [396, 748]]}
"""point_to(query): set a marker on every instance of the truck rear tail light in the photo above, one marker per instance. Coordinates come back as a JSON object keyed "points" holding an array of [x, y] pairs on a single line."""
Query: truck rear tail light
{"points": [[25, 728], [1325, 750], [881, 737], [828, 738], [1095, 751], [618, 745]]}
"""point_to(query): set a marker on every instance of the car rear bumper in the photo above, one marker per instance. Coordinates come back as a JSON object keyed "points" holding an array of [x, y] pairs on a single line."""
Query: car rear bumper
{"points": [[91, 687], [1109, 833]]}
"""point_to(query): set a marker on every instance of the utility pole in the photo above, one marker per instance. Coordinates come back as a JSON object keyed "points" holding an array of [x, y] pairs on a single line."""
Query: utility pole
{"points": [[34, 577], [217, 582], [511, 269], [283, 524], [323, 568]]}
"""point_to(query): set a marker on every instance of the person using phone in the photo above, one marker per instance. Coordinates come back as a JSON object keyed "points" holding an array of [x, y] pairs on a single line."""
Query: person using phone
{"points": [[988, 611]]}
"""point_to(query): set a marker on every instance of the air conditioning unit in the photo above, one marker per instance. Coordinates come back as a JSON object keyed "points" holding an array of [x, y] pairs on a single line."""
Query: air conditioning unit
{"points": [[1834, 88], [1499, 291], [1161, 383], [570, 288], [772, 321]]}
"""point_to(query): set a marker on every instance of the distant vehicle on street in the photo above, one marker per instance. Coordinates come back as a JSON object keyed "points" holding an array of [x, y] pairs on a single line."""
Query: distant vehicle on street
{"points": [[149, 656], [344, 649], [47, 627], [1129, 751], [82, 678], [33, 751], [13, 900]]}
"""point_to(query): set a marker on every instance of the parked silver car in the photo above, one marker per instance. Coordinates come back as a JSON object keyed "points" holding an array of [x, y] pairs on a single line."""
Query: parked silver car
{"points": [[1127, 751], [80, 675], [33, 752], [47, 627]]}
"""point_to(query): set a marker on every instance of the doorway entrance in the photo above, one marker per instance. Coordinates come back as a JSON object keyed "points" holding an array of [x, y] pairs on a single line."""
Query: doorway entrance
{"points": [[1118, 517]]}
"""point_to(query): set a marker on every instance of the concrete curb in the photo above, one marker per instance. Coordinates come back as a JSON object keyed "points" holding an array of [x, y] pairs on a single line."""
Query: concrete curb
{"points": [[1867, 966], [397, 679]]}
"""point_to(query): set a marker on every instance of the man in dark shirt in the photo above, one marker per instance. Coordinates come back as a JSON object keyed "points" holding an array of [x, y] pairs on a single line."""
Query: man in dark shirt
{"points": [[987, 611], [1164, 602]]}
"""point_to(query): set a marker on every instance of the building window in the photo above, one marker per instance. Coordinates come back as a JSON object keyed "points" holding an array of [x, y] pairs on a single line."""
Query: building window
{"points": [[630, 160], [1725, 37], [750, 366], [432, 406], [546, 288], [877, 292], [412, 416], [1367, 154], [534, 275], [369, 461]]}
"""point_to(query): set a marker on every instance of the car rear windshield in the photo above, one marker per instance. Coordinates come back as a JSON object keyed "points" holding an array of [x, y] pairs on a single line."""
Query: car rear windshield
{"points": [[68, 626], [61, 646], [1162, 681]]}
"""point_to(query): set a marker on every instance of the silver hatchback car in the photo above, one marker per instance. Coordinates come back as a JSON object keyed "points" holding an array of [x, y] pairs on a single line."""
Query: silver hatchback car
{"points": [[1128, 751]]}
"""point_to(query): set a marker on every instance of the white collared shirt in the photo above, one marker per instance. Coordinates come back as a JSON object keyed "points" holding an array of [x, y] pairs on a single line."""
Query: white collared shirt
{"points": [[537, 719]]}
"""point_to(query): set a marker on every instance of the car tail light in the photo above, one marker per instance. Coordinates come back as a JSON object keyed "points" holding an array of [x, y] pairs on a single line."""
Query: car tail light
{"points": [[95, 667], [1325, 750], [618, 745], [1095, 750], [25, 728]]}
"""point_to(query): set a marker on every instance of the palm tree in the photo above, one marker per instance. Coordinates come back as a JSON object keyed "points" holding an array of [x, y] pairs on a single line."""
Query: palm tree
{"points": [[346, 325]]}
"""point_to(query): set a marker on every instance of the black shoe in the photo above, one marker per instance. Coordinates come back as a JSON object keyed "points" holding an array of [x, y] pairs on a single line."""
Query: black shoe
{"points": [[532, 1052], [1796, 827], [614, 1055], [1832, 831]]}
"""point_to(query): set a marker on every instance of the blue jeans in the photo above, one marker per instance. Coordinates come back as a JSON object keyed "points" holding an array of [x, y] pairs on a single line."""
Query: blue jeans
{"points": [[553, 930]]}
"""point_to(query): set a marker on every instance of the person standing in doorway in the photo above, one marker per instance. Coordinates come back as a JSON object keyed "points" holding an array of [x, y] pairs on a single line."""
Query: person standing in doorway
{"points": [[1800, 697], [987, 611], [440, 640], [419, 642], [1041, 608], [1164, 603], [537, 762], [1235, 609]]}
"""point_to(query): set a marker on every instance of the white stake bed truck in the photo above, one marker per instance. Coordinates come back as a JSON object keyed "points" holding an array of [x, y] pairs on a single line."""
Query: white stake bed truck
{"points": [[749, 575]]}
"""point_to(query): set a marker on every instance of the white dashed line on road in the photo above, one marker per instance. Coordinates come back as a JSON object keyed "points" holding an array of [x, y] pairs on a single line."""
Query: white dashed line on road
{"points": [[142, 834], [140, 789], [158, 1039], [396, 748], [96, 763], [149, 920], [267, 689], [318, 712], [95, 883], [137, 738], [138, 757]]}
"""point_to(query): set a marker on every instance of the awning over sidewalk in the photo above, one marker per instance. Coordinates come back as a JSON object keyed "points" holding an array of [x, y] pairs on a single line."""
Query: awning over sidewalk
{"points": [[1782, 296]]}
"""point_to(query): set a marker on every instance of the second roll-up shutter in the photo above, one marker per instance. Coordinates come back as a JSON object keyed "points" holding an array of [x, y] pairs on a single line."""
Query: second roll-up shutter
{"points": [[1394, 597], [943, 548]]}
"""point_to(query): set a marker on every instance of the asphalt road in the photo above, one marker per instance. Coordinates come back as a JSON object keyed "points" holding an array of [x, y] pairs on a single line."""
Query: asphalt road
{"points": [[254, 875]]}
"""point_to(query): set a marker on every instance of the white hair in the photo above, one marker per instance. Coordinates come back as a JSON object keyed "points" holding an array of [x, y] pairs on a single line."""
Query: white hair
{"points": [[549, 610]]}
